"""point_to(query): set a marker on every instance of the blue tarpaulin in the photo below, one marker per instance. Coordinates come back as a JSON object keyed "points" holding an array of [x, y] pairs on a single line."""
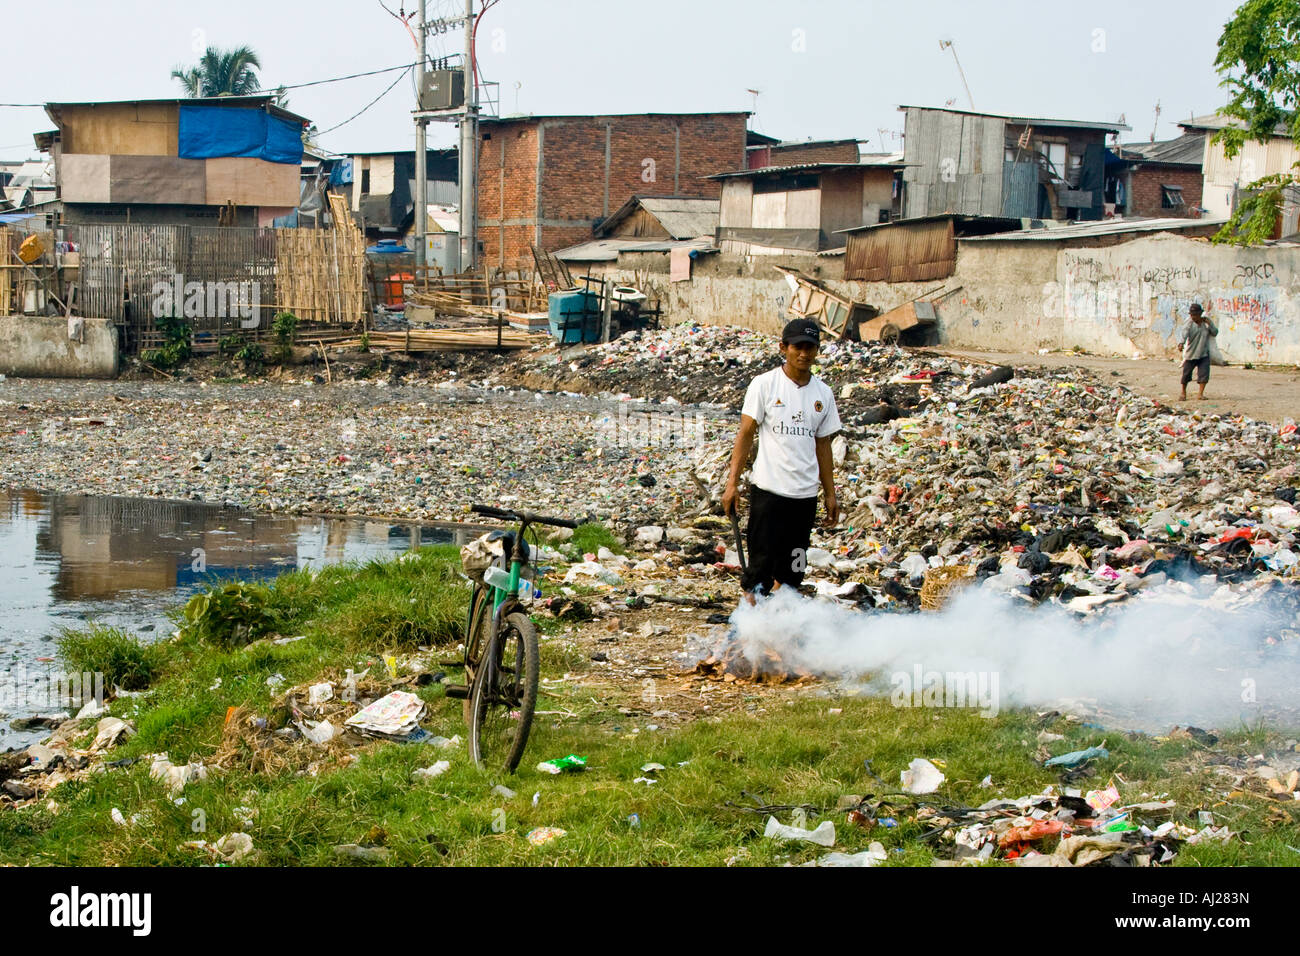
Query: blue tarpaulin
{"points": [[341, 174], [211, 131]]}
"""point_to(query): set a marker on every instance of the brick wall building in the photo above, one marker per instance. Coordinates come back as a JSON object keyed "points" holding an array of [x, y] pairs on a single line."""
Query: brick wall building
{"points": [[547, 180], [1149, 193], [815, 151], [1159, 179]]}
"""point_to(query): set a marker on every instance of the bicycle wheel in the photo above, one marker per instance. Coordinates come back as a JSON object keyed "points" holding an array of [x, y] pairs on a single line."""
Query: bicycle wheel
{"points": [[480, 616], [503, 697]]}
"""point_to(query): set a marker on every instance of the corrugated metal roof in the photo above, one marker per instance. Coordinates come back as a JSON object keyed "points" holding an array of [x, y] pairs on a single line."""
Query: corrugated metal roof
{"points": [[1186, 150], [956, 217], [1083, 230], [791, 143], [1030, 120], [888, 160], [1219, 121], [607, 250], [683, 217], [532, 117], [252, 99]]}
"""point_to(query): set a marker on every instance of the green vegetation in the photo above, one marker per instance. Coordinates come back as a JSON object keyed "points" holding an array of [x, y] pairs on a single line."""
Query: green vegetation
{"points": [[230, 615], [283, 326], [175, 350], [365, 342], [117, 655], [785, 748], [1259, 62], [591, 537], [226, 73], [251, 354]]}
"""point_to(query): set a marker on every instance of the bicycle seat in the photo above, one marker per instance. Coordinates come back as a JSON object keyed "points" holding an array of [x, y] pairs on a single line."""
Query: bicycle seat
{"points": [[507, 539]]}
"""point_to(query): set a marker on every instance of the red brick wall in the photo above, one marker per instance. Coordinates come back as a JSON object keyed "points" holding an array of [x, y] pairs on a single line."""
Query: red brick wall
{"points": [[518, 200], [814, 153], [573, 186], [1144, 190]]}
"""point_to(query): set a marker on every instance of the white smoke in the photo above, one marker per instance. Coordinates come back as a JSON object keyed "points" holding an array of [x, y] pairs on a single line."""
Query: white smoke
{"points": [[1187, 653]]}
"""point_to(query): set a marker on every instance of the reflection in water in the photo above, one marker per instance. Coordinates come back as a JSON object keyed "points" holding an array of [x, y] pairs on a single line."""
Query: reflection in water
{"points": [[96, 548], [124, 562]]}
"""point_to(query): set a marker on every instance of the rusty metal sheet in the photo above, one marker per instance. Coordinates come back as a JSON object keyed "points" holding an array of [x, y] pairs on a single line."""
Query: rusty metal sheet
{"points": [[902, 252]]}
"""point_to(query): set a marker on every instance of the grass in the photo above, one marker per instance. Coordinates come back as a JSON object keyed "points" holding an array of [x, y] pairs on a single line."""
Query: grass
{"points": [[782, 750], [120, 657], [589, 538]]}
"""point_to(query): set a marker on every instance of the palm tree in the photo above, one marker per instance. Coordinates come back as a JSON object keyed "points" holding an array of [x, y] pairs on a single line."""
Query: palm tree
{"points": [[221, 73]]}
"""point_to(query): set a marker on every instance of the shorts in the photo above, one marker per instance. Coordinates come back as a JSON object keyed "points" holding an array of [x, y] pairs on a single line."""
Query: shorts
{"points": [[1202, 368], [780, 530]]}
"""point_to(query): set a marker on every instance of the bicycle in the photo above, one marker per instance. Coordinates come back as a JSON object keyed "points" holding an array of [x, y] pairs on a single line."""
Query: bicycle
{"points": [[500, 660]]}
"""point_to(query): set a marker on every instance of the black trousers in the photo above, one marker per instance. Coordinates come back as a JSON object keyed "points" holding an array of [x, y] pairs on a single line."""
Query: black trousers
{"points": [[1200, 366], [780, 530]]}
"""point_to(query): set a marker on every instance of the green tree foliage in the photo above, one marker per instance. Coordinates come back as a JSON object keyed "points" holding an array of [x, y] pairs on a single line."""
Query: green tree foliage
{"points": [[1259, 62], [222, 73]]}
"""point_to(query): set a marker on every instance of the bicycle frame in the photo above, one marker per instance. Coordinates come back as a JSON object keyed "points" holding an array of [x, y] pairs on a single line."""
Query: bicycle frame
{"points": [[505, 601]]}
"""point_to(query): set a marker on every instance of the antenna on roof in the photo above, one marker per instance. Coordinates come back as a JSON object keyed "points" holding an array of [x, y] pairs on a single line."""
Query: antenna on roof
{"points": [[949, 45], [1156, 123]]}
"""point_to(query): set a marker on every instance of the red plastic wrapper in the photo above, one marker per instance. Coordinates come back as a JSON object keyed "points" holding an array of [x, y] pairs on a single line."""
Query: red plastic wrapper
{"points": [[1035, 831]]}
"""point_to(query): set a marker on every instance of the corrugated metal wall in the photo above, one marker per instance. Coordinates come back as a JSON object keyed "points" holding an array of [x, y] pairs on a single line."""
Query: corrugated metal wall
{"points": [[958, 161], [902, 252]]}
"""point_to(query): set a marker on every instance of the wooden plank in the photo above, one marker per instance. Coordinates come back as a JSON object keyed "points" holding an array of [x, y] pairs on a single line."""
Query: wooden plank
{"points": [[247, 181], [157, 179]]}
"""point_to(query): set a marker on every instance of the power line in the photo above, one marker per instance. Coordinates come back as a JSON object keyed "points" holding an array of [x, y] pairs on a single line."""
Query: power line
{"points": [[351, 76], [366, 107], [293, 86]]}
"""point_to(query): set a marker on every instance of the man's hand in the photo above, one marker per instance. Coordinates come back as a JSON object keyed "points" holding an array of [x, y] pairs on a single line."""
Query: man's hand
{"points": [[729, 499], [832, 510]]}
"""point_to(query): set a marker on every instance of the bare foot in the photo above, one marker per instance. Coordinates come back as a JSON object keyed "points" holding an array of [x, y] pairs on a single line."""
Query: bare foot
{"points": [[1200, 398], [1182, 398], [749, 598]]}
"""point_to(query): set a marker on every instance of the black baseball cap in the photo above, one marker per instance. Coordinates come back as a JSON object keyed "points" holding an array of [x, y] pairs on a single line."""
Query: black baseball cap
{"points": [[801, 330]]}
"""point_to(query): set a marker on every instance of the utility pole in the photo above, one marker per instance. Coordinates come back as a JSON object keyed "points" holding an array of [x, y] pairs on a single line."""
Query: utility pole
{"points": [[469, 151], [421, 152]]}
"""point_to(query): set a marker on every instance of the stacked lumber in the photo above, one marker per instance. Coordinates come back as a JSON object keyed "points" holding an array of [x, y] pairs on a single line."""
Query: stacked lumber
{"points": [[447, 340]]}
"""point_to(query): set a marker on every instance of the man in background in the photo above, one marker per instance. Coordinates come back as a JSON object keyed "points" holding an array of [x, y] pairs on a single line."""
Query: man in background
{"points": [[1195, 338]]}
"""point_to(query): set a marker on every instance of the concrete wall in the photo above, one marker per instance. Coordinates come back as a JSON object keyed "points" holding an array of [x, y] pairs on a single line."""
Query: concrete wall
{"points": [[39, 347], [743, 290], [1023, 296], [1134, 297]]}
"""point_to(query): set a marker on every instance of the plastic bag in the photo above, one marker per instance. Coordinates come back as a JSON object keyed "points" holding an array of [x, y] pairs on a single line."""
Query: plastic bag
{"points": [[480, 554], [1216, 356]]}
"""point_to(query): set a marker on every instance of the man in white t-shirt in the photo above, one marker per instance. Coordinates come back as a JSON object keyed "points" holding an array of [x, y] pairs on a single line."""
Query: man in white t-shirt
{"points": [[792, 412]]}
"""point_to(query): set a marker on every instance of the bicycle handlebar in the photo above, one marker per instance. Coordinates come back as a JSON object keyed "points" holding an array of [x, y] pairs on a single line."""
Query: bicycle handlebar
{"points": [[524, 516]]}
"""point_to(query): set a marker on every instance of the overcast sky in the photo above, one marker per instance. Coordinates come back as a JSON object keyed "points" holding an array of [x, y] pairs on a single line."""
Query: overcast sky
{"points": [[824, 68]]}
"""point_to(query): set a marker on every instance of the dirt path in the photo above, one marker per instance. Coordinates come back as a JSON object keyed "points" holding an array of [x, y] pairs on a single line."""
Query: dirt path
{"points": [[1271, 394]]}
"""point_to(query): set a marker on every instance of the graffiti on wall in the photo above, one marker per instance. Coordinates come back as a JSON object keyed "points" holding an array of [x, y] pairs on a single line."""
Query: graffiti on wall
{"points": [[1120, 301]]}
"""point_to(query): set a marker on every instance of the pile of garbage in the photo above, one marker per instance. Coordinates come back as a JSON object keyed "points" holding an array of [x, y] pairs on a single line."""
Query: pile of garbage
{"points": [[712, 365], [1055, 483], [69, 753]]}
